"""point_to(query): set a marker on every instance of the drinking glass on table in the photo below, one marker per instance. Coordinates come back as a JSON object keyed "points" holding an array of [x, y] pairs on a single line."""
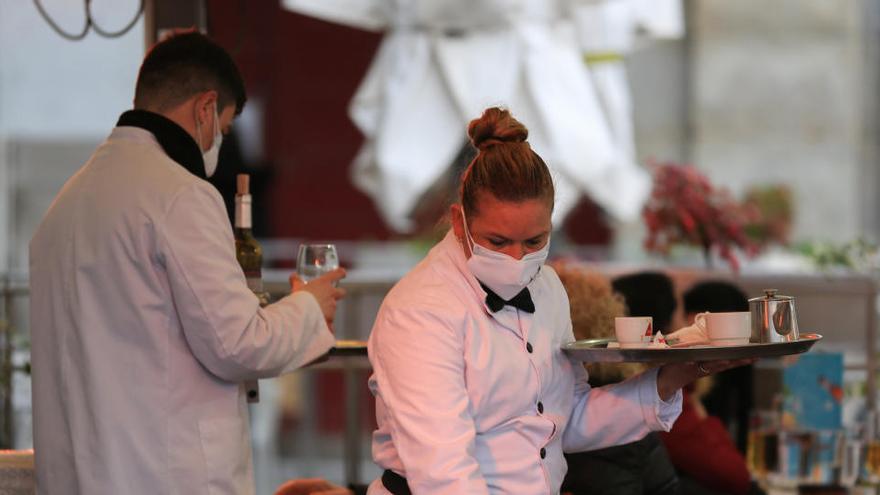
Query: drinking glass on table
{"points": [[314, 260], [870, 471]]}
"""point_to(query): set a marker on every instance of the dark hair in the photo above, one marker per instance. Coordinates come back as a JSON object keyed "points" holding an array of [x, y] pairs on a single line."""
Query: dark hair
{"points": [[186, 64], [716, 296], [648, 294], [505, 165]]}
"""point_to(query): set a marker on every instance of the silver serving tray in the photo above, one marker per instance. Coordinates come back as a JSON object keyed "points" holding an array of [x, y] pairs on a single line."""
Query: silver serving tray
{"points": [[597, 351]]}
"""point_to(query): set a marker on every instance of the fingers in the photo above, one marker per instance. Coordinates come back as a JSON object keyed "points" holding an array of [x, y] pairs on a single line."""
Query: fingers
{"points": [[322, 288], [296, 283], [312, 486], [333, 491], [330, 278], [705, 368], [329, 310], [330, 315], [334, 276], [304, 487], [702, 370]]}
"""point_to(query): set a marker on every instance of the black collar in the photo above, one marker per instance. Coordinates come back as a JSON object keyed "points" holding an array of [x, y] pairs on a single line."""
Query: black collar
{"points": [[177, 143], [521, 301]]}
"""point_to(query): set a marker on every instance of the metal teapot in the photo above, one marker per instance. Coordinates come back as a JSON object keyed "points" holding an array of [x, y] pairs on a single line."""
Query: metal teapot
{"points": [[773, 318]]}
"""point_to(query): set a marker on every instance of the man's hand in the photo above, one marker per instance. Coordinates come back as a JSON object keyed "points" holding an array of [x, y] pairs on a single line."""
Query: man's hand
{"points": [[325, 291], [674, 376], [311, 486]]}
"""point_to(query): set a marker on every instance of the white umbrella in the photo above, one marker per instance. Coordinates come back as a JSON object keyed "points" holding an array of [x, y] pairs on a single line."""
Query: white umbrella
{"points": [[443, 61]]}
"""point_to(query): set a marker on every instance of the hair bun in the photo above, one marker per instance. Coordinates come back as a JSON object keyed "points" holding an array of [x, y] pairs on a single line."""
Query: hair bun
{"points": [[496, 126]]}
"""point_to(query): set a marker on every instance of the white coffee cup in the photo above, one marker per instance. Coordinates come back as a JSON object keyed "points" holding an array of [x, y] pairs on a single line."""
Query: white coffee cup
{"points": [[633, 331], [729, 328]]}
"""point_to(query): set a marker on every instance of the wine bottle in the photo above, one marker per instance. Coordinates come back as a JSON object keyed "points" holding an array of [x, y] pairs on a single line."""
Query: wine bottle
{"points": [[249, 254], [247, 250]]}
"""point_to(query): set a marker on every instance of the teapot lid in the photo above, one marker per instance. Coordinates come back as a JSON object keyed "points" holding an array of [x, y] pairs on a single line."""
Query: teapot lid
{"points": [[771, 295]]}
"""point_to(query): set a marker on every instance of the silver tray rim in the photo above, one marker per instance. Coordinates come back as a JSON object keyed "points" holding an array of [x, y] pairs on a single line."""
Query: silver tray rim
{"points": [[596, 351]]}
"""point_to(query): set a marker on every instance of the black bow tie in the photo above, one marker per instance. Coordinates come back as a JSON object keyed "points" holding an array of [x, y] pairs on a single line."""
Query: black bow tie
{"points": [[521, 301]]}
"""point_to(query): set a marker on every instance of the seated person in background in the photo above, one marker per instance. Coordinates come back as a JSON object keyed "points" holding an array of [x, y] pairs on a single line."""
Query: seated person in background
{"points": [[593, 306], [731, 397], [699, 432], [643, 466], [649, 294]]}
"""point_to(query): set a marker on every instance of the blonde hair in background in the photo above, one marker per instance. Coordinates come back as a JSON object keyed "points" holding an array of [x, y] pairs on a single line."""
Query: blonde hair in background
{"points": [[593, 306]]}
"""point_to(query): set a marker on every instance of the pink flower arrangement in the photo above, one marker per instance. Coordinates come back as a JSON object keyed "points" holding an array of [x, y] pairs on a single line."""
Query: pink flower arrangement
{"points": [[684, 208]]}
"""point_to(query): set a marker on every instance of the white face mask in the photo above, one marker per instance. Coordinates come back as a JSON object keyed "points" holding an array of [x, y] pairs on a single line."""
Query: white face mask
{"points": [[504, 274], [213, 153]]}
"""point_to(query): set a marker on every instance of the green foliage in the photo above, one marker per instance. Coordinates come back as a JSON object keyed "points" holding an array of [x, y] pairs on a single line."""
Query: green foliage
{"points": [[772, 207], [859, 255]]}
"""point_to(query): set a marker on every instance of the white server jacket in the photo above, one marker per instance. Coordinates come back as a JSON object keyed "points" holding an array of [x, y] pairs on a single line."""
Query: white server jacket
{"points": [[143, 329], [474, 402]]}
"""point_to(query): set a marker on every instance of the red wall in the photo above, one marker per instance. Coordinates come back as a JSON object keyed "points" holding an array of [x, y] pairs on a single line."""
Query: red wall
{"points": [[306, 71]]}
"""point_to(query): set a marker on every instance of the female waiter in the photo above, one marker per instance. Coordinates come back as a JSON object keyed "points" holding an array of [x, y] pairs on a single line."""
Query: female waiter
{"points": [[473, 395]]}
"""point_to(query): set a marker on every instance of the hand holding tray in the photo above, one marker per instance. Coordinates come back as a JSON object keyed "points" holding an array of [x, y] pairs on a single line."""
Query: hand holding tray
{"points": [[597, 351]]}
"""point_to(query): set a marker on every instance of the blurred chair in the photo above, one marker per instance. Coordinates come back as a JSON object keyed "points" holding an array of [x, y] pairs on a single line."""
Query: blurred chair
{"points": [[699, 428]]}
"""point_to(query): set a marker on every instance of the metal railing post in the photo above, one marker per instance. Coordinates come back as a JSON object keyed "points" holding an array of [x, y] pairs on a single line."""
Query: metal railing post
{"points": [[6, 366]]}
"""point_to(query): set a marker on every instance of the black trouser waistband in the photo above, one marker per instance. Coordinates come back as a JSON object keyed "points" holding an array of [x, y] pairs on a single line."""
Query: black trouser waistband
{"points": [[395, 483]]}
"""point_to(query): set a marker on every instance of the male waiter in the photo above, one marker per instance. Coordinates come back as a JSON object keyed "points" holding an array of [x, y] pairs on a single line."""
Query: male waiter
{"points": [[142, 325]]}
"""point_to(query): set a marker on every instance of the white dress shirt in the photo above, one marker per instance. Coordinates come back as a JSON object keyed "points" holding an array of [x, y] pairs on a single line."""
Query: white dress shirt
{"points": [[474, 402], [143, 328]]}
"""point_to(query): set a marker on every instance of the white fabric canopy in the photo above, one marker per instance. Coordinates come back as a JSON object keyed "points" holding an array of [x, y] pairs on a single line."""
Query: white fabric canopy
{"points": [[443, 61]]}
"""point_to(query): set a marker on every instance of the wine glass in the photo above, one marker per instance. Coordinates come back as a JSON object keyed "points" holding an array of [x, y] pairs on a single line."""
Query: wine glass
{"points": [[314, 260]]}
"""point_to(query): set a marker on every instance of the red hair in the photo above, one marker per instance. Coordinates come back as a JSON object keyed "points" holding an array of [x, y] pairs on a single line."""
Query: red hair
{"points": [[505, 165]]}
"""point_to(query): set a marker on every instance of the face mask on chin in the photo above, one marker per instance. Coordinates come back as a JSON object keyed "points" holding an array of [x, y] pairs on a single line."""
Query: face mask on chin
{"points": [[505, 275], [211, 156]]}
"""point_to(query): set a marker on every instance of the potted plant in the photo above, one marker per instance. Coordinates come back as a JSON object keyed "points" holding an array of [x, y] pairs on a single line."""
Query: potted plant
{"points": [[772, 214], [684, 208]]}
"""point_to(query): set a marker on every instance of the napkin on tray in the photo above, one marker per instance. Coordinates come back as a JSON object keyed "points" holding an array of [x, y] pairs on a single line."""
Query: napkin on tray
{"points": [[692, 334], [658, 342]]}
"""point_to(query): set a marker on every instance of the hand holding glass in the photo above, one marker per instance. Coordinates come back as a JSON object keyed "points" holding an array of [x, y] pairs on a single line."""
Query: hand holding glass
{"points": [[314, 260]]}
